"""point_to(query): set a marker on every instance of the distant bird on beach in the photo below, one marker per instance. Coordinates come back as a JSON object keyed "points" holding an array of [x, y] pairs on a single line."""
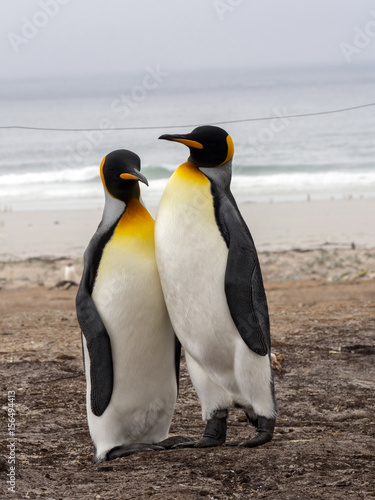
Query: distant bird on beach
{"points": [[70, 278], [214, 291], [70, 273], [131, 355]]}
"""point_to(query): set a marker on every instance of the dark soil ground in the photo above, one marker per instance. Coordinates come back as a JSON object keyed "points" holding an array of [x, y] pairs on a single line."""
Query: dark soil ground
{"points": [[324, 444]]}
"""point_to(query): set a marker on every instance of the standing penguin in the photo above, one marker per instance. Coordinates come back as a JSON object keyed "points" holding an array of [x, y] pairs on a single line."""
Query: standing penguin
{"points": [[131, 355], [213, 288]]}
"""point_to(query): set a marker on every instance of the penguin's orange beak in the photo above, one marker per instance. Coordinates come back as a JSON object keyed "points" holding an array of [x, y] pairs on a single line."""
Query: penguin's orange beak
{"points": [[128, 176], [137, 176], [183, 139]]}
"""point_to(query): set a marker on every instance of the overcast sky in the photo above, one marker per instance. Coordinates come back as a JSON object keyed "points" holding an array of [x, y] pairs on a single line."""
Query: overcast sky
{"points": [[87, 37]]}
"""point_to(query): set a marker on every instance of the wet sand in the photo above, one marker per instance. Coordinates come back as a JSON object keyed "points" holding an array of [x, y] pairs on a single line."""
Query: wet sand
{"points": [[274, 226]]}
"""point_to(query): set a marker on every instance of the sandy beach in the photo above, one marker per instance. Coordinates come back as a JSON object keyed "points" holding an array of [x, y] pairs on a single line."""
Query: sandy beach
{"points": [[274, 226], [295, 241], [321, 295]]}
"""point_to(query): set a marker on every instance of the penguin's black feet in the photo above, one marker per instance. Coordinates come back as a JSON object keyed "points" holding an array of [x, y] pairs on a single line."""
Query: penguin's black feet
{"points": [[265, 427], [204, 442], [214, 434], [125, 451], [172, 441]]}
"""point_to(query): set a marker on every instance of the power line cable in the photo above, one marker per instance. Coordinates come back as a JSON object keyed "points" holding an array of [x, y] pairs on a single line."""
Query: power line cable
{"points": [[156, 127]]}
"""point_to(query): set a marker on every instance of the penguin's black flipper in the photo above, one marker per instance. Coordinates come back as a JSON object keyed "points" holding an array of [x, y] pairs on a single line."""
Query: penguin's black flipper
{"points": [[244, 287], [93, 328], [99, 348], [177, 360]]}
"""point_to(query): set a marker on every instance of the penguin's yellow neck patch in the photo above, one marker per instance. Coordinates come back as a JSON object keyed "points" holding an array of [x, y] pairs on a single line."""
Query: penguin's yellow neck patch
{"points": [[190, 189], [136, 223], [189, 172]]}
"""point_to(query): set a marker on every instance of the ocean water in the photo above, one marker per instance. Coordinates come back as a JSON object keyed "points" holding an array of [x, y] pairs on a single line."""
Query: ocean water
{"points": [[278, 159]]}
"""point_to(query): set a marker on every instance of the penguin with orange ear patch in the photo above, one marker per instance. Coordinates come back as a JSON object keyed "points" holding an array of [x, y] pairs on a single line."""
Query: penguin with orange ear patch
{"points": [[131, 355], [213, 288]]}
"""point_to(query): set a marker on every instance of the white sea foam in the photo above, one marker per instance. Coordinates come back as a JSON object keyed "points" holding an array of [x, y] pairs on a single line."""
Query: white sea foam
{"points": [[321, 156], [283, 186], [292, 185], [84, 174]]}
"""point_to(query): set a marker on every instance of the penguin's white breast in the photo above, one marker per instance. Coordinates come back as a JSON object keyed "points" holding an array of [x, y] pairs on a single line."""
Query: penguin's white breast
{"points": [[129, 299], [192, 257]]}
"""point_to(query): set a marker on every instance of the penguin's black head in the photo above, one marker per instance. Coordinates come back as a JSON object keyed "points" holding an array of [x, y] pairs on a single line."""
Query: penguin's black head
{"points": [[120, 173], [209, 146]]}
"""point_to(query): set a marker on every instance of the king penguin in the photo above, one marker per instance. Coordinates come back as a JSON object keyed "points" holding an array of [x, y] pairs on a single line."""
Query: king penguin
{"points": [[213, 288], [131, 355]]}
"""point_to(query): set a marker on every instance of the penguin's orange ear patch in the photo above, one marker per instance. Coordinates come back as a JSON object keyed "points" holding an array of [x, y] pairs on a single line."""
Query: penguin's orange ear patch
{"points": [[230, 149], [128, 176], [102, 174]]}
